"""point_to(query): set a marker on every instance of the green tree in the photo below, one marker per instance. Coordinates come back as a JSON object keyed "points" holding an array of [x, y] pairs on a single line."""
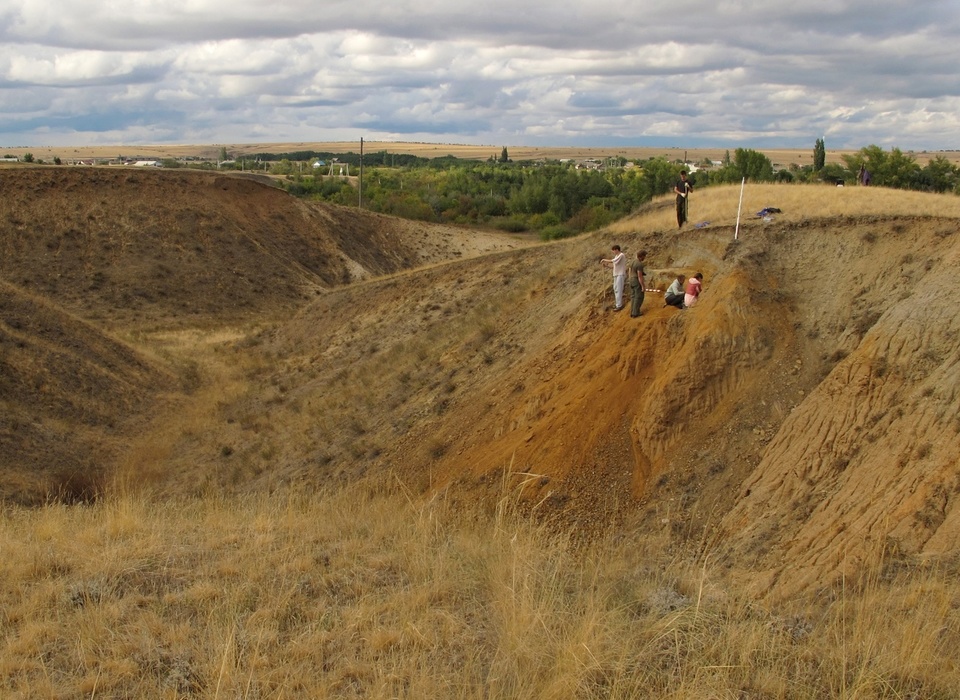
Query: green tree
{"points": [[902, 170], [284, 167], [504, 156], [783, 176], [659, 177], [752, 165], [819, 155], [893, 169], [834, 173], [747, 163], [941, 175], [27, 157]]}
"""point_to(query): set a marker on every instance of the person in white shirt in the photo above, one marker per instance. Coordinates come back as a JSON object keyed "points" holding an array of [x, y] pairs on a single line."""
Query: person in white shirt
{"points": [[674, 294], [619, 264]]}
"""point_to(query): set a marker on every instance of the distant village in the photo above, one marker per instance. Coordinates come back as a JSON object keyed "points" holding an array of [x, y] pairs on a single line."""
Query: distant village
{"points": [[334, 167]]}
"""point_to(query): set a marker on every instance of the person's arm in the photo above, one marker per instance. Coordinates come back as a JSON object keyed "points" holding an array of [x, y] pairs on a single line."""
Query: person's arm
{"points": [[640, 275]]}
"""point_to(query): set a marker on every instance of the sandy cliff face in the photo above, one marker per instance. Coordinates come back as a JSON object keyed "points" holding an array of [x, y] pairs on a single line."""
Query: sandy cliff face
{"points": [[869, 459], [801, 419]]}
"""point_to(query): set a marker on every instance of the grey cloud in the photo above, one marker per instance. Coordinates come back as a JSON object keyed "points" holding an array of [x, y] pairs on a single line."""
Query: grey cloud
{"points": [[511, 72]]}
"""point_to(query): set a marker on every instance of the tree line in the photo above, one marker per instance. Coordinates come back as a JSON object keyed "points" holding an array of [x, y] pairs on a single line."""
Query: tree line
{"points": [[551, 198], [557, 199]]}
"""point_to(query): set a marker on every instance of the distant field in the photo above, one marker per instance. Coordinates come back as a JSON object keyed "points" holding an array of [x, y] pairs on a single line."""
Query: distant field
{"points": [[783, 156]]}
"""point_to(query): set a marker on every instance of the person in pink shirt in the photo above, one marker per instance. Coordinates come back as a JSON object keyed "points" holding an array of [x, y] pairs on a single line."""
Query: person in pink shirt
{"points": [[692, 292]]}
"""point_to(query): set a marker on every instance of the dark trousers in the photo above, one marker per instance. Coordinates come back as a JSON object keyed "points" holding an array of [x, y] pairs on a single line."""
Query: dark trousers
{"points": [[636, 299], [681, 210], [674, 300]]}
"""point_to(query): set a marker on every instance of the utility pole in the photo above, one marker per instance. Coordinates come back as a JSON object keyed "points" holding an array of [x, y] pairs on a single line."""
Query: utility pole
{"points": [[360, 187]]}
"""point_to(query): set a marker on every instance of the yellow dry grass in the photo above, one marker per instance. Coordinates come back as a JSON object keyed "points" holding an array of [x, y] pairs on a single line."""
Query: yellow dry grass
{"points": [[364, 593], [719, 206]]}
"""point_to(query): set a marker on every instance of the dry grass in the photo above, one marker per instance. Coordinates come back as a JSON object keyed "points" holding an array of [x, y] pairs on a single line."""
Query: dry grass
{"points": [[364, 593], [719, 206], [211, 373]]}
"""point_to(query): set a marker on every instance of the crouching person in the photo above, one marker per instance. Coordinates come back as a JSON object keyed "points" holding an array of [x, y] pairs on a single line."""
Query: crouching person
{"points": [[674, 294]]}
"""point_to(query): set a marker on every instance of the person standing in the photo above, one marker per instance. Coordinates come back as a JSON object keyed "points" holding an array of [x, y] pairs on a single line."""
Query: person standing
{"points": [[683, 188], [637, 283], [692, 292], [618, 261], [674, 294]]}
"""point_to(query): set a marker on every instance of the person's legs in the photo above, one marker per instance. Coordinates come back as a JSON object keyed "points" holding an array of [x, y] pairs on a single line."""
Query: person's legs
{"points": [[674, 300], [618, 291], [637, 299], [681, 211]]}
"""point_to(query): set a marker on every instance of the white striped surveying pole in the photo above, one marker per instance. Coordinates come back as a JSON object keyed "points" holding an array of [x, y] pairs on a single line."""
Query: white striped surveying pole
{"points": [[736, 231]]}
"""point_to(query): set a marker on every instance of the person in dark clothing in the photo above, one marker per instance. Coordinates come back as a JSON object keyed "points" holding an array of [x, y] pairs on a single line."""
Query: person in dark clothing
{"points": [[637, 283], [683, 188]]}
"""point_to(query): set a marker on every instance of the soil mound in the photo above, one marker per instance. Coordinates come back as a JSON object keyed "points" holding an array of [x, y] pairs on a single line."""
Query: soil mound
{"points": [[148, 247]]}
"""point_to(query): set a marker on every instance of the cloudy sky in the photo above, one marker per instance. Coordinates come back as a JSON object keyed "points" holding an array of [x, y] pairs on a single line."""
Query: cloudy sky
{"points": [[727, 73]]}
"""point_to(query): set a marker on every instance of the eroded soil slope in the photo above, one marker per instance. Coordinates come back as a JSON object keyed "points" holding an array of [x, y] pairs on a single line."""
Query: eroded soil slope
{"points": [[91, 259], [801, 418], [68, 393], [870, 459]]}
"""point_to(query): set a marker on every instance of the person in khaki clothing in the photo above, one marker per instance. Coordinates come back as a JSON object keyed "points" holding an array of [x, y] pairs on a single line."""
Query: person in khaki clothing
{"points": [[637, 283]]}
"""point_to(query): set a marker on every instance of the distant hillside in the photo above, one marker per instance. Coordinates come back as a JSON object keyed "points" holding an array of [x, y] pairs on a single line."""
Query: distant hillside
{"points": [[175, 247]]}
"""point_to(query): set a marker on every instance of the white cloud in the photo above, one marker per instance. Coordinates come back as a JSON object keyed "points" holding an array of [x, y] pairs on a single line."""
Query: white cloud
{"points": [[734, 72]]}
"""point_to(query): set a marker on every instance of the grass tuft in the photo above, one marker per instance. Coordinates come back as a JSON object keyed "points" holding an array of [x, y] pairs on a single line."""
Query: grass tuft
{"points": [[365, 592]]}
